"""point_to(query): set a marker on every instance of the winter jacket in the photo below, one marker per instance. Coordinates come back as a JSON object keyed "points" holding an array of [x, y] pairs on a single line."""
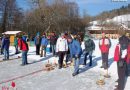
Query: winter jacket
{"points": [[61, 45], [0, 41], [23, 45], [5, 43], [89, 45], [119, 53], [128, 54], [37, 40], [75, 48], [24, 38], [44, 41], [104, 45], [53, 40], [15, 41]]}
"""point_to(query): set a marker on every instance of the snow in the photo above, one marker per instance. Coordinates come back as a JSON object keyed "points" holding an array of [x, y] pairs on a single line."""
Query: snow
{"points": [[11, 32], [57, 79], [122, 18]]}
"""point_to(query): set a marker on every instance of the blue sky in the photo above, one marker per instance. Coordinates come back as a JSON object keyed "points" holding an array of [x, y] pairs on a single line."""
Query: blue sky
{"points": [[92, 7], [23, 4]]}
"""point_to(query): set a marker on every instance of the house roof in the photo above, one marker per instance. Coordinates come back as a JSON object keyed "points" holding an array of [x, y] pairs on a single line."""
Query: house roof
{"points": [[11, 32]]}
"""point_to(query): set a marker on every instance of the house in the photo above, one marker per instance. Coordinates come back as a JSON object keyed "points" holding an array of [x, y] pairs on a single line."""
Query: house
{"points": [[122, 24], [12, 35]]}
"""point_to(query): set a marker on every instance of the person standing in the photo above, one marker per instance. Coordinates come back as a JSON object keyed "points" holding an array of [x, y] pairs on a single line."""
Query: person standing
{"points": [[5, 47], [104, 45], [37, 42], [53, 39], [120, 57], [24, 48], [61, 49], [1, 45], [89, 48], [128, 55], [2, 39], [16, 44], [44, 43], [75, 51]]}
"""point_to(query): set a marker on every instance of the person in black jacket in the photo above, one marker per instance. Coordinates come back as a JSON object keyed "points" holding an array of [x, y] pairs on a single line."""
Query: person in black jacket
{"points": [[120, 57], [53, 40], [89, 48], [37, 41]]}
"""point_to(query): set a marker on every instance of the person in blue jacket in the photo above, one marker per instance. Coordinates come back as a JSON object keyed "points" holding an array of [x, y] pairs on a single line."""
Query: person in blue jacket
{"points": [[44, 43], [75, 52], [5, 47]]}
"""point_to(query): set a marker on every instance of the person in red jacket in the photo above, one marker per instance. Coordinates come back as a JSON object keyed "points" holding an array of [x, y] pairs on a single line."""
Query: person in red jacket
{"points": [[128, 56], [120, 56], [24, 48], [104, 45]]}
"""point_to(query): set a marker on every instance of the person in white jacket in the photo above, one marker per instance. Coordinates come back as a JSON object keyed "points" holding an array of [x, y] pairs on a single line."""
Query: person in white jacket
{"points": [[61, 49]]}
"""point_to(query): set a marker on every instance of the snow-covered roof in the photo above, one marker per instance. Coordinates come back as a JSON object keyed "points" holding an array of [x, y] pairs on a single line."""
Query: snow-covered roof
{"points": [[94, 28], [11, 32], [97, 22], [122, 18]]}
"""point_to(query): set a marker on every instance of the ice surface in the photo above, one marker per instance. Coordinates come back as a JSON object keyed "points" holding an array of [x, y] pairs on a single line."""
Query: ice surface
{"points": [[30, 78]]}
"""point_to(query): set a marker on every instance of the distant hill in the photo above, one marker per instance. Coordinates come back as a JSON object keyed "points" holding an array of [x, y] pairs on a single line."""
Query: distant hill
{"points": [[112, 13]]}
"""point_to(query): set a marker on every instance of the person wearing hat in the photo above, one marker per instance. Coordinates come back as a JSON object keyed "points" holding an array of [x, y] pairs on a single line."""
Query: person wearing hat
{"points": [[89, 48], [0, 45], [37, 42], [128, 55], [104, 45], [44, 43], [120, 56], [75, 51], [5, 47], [53, 39], [61, 49]]}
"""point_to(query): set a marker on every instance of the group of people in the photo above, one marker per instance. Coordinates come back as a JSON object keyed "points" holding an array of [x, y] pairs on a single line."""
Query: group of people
{"points": [[69, 45], [43, 42], [122, 57], [66, 46], [72, 46], [20, 44]]}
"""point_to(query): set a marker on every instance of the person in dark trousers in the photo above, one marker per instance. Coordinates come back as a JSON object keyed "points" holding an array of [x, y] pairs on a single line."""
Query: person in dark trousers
{"points": [[1, 45], [16, 44], [44, 43], [5, 47], [37, 42], [61, 49], [128, 56], [53, 39], [104, 45], [120, 57], [89, 48], [24, 48], [75, 51], [2, 39]]}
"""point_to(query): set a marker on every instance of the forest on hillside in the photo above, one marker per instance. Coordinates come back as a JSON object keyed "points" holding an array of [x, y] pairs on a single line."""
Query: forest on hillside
{"points": [[112, 13]]}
